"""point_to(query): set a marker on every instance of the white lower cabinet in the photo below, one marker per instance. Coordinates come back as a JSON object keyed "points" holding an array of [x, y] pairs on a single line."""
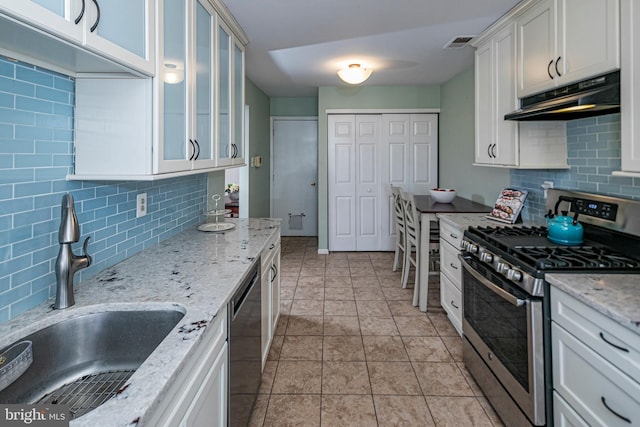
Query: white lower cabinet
{"points": [[199, 395], [595, 366], [451, 273], [270, 279]]}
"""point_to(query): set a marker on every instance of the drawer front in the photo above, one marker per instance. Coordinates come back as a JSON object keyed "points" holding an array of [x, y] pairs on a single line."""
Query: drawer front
{"points": [[451, 234], [564, 415], [599, 392], [612, 341], [451, 301], [450, 263]]}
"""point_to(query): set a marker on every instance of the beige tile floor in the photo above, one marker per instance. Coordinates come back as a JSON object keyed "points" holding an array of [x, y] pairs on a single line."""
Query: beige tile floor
{"points": [[351, 350]]}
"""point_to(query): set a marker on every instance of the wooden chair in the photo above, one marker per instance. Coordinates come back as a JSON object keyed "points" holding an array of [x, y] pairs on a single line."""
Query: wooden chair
{"points": [[398, 213]]}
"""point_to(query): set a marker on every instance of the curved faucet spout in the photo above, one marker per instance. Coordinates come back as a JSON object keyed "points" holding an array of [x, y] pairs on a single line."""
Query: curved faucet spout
{"points": [[67, 263]]}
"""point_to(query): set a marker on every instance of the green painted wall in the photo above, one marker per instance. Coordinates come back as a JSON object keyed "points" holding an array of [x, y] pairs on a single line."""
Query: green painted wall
{"points": [[284, 106], [381, 97], [456, 144], [259, 145]]}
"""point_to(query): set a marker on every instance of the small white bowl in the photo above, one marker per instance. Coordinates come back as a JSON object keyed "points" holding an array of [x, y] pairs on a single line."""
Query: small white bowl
{"points": [[443, 195]]}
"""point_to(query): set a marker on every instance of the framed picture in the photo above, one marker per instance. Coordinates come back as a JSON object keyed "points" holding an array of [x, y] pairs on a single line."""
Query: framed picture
{"points": [[508, 205]]}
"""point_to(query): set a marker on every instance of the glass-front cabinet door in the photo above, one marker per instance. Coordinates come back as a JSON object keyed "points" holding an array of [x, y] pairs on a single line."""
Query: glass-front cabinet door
{"points": [[224, 129], [53, 16], [238, 104], [122, 30], [173, 147], [203, 105]]}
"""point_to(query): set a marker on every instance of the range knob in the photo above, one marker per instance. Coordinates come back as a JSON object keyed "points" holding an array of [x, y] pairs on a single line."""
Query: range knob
{"points": [[471, 248], [503, 268], [486, 257], [515, 275]]}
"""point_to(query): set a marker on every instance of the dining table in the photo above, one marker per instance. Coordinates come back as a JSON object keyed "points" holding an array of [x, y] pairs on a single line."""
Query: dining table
{"points": [[428, 208]]}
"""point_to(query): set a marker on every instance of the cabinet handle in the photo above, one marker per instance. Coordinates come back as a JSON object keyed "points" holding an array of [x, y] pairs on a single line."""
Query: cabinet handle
{"points": [[454, 305], [549, 69], [453, 235], [273, 245], [197, 145], [558, 71], [604, 402], [493, 151], [95, 24], [77, 20], [453, 266], [275, 272], [489, 150], [235, 150], [193, 153], [612, 344]]}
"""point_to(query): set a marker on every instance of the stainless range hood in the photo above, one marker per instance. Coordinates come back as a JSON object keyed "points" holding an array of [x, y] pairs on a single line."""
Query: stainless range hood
{"points": [[593, 97]]}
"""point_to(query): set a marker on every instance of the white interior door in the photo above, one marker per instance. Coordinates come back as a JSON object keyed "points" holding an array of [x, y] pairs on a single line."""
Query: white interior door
{"points": [[367, 152], [368, 183], [395, 169], [424, 153], [342, 182], [295, 175]]}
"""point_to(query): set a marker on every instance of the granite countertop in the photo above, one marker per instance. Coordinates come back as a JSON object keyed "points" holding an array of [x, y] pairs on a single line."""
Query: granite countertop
{"points": [[617, 296], [195, 272]]}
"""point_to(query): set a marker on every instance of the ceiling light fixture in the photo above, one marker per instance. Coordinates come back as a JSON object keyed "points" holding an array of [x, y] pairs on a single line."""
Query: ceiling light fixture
{"points": [[354, 74]]}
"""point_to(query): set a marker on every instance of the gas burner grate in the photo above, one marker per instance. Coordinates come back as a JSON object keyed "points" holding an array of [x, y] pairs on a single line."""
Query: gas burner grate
{"points": [[87, 393], [581, 257]]}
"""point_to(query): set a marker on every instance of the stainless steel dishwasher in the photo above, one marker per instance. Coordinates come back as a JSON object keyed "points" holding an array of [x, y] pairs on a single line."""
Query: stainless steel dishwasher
{"points": [[245, 355]]}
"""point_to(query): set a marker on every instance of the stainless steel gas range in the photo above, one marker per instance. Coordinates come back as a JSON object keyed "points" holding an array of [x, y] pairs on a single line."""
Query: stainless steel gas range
{"points": [[506, 323]]}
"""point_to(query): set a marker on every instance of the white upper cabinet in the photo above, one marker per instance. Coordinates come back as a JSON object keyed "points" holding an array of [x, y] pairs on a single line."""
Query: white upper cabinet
{"points": [[188, 119], [564, 41], [630, 89], [496, 139], [121, 31], [230, 119], [186, 138]]}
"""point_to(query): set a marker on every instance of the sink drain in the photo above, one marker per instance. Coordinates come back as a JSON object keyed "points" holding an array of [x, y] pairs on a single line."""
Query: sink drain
{"points": [[87, 393]]}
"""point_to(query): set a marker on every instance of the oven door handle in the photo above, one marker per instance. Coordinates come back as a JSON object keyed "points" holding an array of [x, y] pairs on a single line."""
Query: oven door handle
{"points": [[496, 289]]}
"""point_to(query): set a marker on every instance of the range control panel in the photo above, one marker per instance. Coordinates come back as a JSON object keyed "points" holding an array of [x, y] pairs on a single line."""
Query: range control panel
{"points": [[596, 209]]}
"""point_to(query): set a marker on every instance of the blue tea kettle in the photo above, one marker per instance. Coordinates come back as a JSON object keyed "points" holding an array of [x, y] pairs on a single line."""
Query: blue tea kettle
{"points": [[563, 229]]}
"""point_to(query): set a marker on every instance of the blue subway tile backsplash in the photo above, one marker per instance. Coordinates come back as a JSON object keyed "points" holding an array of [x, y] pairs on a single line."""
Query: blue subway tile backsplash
{"points": [[593, 150], [36, 146]]}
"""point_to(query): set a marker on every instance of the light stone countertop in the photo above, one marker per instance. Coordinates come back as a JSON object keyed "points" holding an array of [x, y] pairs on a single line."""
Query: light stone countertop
{"points": [[614, 295], [193, 271], [617, 296]]}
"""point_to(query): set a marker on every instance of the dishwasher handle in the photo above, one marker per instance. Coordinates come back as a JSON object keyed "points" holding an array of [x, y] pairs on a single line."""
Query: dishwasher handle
{"points": [[241, 296]]}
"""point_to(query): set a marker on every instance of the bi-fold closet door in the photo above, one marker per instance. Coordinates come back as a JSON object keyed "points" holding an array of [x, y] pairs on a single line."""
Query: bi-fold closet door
{"points": [[367, 152]]}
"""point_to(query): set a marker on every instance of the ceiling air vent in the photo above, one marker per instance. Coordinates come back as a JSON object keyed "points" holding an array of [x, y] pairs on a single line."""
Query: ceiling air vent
{"points": [[458, 42]]}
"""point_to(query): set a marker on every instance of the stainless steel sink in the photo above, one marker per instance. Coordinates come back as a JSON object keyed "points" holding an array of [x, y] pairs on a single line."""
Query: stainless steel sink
{"points": [[84, 361]]}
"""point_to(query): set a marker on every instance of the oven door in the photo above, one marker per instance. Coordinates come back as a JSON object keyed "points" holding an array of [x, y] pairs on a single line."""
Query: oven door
{"points": [[504, 325]]}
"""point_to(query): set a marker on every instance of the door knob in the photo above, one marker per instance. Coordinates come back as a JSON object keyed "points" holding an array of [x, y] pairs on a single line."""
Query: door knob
{"points": [[313, 184]]}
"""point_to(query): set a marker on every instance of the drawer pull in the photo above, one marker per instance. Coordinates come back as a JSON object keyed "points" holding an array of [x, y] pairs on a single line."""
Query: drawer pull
{"points": [[604, 402], [454, 306], [453, 235], [453, 266], [612, 344]]}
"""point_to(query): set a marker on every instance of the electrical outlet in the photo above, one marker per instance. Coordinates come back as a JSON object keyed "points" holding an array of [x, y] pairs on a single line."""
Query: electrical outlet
{"points": [[141, 205]]}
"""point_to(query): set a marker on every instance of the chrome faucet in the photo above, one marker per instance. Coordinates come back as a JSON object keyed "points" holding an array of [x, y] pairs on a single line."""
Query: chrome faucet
{"points": [[67, 263]]}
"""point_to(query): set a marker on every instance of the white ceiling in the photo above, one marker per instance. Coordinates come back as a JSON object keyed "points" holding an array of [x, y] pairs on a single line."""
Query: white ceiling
{"points": [[297, 45]]}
